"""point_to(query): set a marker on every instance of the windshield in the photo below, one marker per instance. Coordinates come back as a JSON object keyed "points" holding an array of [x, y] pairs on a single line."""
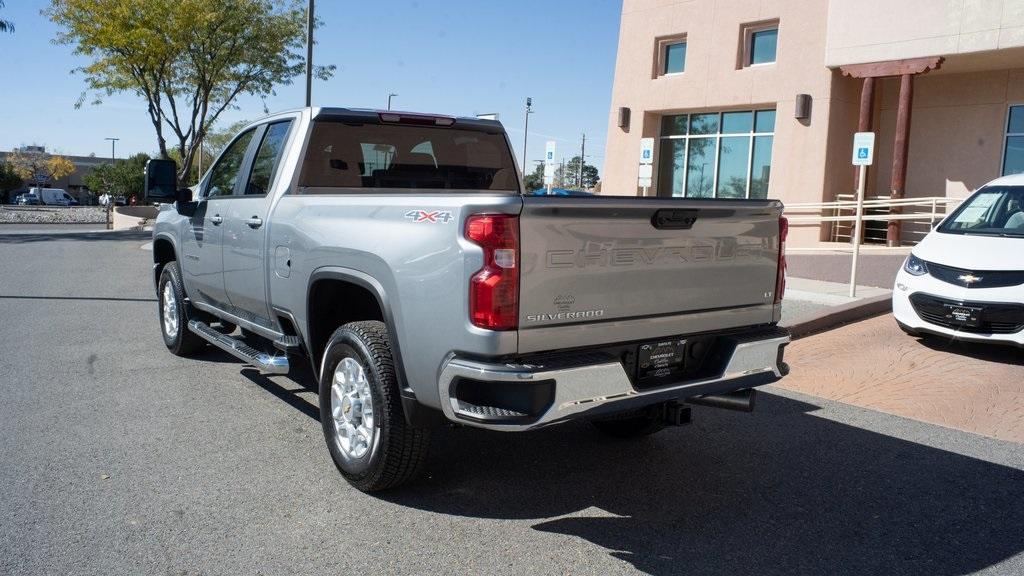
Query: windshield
{"points": [[994, 211], [348, 158]]}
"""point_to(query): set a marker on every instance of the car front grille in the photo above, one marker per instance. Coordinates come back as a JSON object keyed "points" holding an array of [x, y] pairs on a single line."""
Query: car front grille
{"points": [[976, 278], [996, 317]]}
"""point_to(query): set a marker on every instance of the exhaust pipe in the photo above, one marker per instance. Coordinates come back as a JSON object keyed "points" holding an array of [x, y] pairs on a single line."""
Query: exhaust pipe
{"points": [[740, 400]]}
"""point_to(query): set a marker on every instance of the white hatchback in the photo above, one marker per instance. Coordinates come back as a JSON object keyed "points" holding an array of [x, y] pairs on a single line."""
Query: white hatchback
{"points": [[965, 280]]}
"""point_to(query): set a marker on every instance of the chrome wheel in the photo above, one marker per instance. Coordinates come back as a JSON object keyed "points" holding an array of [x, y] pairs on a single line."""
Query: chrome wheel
{"points": [[352, 408], [170, 310]]}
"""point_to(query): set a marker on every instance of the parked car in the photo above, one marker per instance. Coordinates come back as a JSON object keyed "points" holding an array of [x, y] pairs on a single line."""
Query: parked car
{"points": [[53, 196], [28, 199], [965, 280], [400, 258]]}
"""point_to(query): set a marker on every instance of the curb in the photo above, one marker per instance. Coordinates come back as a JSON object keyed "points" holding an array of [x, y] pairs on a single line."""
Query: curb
{"points": [[837, 316]]}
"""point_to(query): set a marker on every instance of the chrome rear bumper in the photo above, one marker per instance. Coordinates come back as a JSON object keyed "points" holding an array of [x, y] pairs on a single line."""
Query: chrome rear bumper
{"points": [[581, 388]]}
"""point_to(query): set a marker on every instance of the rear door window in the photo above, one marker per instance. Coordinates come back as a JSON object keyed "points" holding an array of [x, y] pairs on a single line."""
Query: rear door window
{"points": [[349, 158]]}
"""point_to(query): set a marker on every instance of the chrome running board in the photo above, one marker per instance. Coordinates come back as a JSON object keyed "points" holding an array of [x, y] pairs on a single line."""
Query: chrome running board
{"points": [[264, 362]]}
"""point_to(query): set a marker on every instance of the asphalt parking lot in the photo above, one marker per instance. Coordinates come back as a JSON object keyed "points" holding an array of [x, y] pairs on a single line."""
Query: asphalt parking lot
{"points": [[119, 458]]}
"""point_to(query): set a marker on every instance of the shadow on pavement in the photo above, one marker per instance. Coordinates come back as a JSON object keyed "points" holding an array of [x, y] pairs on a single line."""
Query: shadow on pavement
{"points": [[87, 298], [1002, 353], [780, 491], [98, 236]]}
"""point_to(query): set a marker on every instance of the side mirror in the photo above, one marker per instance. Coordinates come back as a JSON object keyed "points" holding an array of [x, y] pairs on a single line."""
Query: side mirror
{"points": [[161, 181]]}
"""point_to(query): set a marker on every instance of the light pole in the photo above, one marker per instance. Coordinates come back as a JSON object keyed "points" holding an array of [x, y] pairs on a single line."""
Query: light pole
{"points": [[390, 96], [110, 193], [526, 131], [113, 143], [310, 19]]}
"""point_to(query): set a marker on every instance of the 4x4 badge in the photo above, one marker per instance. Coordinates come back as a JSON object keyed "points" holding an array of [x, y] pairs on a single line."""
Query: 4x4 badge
{"points": [[432, 217]]}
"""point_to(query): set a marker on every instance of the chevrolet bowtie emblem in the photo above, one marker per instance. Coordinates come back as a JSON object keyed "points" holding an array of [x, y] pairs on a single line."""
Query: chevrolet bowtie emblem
{"points": [[969, 278]]}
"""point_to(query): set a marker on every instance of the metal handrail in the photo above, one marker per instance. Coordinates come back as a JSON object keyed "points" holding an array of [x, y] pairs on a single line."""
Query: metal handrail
{"points": [[798, 212]]}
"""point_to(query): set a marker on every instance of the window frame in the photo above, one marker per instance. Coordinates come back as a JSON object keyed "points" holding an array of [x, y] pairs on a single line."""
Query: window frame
{"points": [[661, 45], [746, 49], [752, 135], [1007, 134]]}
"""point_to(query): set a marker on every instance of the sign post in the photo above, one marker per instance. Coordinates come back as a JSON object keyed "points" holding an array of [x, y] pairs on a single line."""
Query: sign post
{"points": [[863, 155], [646, 170], [549, 165]]}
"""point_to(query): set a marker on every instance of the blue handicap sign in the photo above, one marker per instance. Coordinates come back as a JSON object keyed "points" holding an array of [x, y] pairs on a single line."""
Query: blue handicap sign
{"points": [[647, 154], [862, 152], [551, 156]]}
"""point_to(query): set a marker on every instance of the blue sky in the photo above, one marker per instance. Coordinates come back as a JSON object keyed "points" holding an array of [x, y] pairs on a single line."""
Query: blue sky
{"points": [[462, 57]]}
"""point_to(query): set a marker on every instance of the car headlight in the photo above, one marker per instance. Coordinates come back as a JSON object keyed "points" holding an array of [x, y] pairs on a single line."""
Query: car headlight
{"points": [[915, 266]]}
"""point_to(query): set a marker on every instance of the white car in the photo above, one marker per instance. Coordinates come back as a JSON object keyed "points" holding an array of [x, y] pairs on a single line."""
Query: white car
{"points": [[965, 280]]}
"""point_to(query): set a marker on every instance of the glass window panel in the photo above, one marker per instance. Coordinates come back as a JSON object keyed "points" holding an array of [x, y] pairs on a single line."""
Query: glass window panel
{"points": [[761, 166], [704, 123], [700, 168], [1013, 162], [765, 121], [267, 156], [732, 167], [1016, 124], [670, 165], [762, 46], [673, 125], [737, 122], [675, 58], [224, 175]]}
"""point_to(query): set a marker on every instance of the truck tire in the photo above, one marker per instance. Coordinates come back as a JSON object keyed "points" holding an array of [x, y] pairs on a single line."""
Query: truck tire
{"points": [[629, 425], [361, 411], [175, 313]]}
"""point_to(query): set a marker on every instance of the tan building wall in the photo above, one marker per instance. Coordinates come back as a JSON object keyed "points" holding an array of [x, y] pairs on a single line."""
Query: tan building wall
{"points": [[958, 116]]}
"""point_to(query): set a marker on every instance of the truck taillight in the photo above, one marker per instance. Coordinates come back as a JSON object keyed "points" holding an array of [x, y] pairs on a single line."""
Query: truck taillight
{"points": [[494, 289], [780, 274]]}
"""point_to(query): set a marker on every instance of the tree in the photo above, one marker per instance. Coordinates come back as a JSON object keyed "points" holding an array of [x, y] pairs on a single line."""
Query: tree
{"points": [[8, 181], [188, 59], [39, 167], [218, 140], [535, 179], [122, 178], [5, 25], [570, 176]]}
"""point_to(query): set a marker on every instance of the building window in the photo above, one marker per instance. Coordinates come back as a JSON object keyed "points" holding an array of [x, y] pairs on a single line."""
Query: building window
{"points": [[716, 154], [670, 55], [759, 43], [1013, 152]]}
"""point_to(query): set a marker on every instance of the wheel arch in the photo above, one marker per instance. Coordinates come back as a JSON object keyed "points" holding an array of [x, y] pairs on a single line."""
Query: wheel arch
{"points": [[164, 251]]}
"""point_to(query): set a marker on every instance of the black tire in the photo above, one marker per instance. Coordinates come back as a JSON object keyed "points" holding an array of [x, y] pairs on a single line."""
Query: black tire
{"points": [[182, 341], [636, 424], [398, 451]]}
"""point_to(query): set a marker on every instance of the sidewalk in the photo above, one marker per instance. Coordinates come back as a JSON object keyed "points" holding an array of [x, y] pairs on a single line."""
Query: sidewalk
{"points": [[806, 297]]}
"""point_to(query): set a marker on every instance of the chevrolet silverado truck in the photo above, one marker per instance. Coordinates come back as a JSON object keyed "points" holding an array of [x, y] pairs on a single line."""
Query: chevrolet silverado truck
{"points": [[397, 256]]}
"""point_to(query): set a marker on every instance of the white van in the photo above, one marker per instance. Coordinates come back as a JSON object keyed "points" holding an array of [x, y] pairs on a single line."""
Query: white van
{"points": [[54, 196]]}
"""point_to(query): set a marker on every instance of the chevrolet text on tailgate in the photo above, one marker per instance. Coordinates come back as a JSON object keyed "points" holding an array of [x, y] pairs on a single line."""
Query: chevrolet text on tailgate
{"points": [[396, 254]]}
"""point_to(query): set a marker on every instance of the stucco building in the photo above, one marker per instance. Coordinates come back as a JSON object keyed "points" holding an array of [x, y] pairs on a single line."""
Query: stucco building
{"points": [[755, 98]]}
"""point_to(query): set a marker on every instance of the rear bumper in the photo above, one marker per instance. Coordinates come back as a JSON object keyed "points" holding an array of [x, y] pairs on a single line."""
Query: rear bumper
{"points": [[585, 385]]}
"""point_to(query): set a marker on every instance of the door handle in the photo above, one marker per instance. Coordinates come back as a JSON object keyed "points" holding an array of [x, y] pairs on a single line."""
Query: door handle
{"points": [[216, 219], [254, 222]]}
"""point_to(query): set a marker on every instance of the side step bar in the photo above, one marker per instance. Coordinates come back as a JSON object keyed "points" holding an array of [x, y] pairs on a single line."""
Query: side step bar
{"points": [[266, 363]]}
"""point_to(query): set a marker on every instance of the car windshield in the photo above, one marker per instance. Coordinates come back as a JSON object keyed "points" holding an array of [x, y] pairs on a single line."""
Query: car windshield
{"points": [[992, 211]]}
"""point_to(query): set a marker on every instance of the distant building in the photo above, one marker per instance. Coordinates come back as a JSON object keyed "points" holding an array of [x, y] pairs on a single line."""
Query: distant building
{"points": [[761, 99], [73, 182]]}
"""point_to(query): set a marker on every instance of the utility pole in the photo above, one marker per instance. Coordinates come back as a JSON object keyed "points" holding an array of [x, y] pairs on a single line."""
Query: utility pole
{"points": [[310, 19], [526, 130], [390, 96], [583, 150], [113, 143]]}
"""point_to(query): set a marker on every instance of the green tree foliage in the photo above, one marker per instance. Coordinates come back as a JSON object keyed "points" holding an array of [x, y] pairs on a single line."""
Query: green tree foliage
{"points": [[218, 140], [535, 179], [188, 59], [570, 177], [5, 25], [122, 178], [8, 181], [39, 167]]}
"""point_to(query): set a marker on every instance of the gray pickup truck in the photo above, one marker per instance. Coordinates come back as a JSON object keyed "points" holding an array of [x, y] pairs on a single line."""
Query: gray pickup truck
{"points": [[398, 256]]}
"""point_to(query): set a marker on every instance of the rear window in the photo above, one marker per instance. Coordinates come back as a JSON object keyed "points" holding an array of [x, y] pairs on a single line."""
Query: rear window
{"points": [[350, 158]]}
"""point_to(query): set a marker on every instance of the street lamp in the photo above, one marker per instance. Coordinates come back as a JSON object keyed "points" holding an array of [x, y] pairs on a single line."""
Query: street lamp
{"points": [[113, 143], [390, 96], [310, 20], [526, 130]]}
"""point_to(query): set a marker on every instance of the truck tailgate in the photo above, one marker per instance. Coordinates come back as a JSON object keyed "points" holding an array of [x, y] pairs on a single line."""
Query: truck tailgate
{"points": [[609, 262]]}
